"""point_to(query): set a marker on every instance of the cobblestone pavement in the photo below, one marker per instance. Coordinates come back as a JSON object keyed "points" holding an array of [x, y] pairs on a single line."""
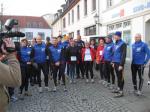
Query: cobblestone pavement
{"points": [[82, 97]]}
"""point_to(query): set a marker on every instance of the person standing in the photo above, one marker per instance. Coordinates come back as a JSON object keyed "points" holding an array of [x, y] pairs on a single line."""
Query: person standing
{"points": [[72, 57], [80, 65], [140, 57], [48, 44], [55, 52], [10, 73], [100, 59], [25, 64], [34, 65], [88, 56], [118, 61], [38, 55], [108, 69], [63, 65], [93, 44]]}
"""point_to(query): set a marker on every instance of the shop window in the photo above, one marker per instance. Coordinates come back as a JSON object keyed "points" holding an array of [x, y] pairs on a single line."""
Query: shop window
{"points": [[109, 3], [29, 35], [85, 7], [90, 30]]}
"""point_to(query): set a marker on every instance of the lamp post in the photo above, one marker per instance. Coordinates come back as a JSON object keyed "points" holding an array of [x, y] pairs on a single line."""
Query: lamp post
{"points": [[96, 18]]}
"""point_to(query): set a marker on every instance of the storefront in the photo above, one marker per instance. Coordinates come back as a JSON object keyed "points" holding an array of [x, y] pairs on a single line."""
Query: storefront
{"points": [[130, 18]]}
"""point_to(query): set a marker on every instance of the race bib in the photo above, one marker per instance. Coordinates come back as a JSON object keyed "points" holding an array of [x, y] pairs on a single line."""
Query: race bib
{"points": [[73, 58], [100, 53], [29, 52], [43, 49], [138, 49], [87, 58], [47, 57]]}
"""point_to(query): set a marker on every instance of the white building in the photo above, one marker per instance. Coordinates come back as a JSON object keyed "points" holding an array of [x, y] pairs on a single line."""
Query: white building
{"points": [[77, 19], [31, 26], [128, 16], [100, 17]]}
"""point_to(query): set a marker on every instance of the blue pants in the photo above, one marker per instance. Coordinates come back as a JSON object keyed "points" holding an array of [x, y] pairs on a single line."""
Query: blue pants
{"points": [[72, 71]]}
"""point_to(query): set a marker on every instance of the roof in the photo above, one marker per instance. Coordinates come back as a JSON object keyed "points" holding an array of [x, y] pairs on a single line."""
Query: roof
{"points": [[28, 21], [71, 5]]}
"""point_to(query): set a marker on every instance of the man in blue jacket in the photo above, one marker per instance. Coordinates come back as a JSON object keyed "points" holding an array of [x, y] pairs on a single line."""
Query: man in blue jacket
{"points": [[118, 60], [25, 63], [108, 53], [140, 57], [55, 54], [38, 55], [63, 66]]}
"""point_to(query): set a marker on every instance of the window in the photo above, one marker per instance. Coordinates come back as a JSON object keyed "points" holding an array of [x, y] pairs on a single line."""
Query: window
{"points": [[78, 12], [72, 16], [93, 5], [85, 7], [35, 25], [109, 3], [69, 19], [42, 34], [90, 30], [71, 34], [40, 25], [29, 35], [126, 24], [64, 23], [28, 25]]}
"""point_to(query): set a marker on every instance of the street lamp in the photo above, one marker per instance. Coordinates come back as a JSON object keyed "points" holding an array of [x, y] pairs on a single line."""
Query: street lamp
{"points": [[96, 18]]}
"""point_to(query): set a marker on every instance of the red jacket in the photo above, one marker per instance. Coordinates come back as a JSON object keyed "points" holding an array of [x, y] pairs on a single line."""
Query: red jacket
{"points": [[92, 52], [99, 54]]}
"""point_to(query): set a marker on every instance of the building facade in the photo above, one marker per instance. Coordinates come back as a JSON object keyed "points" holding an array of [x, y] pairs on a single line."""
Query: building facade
{"points": [[77, 19], [128, 16]]}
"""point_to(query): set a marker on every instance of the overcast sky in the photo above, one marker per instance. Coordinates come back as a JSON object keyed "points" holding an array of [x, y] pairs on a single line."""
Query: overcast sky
{"points": [[31, 7]]}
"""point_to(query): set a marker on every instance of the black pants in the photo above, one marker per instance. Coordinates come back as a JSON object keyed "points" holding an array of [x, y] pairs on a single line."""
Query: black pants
{"points": [[62, 70], [43, 67], [149, 72], [140, 70], [62, 73], [102, 73], [89, 67], [109, 72], [11, 91], [34, 74], [120, 76], [25, 73], [56, 70], [80, 68]]}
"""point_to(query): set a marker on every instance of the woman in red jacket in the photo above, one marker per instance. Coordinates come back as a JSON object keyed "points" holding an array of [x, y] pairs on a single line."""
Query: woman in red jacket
{"points": [[88, 56], [99, 57]]}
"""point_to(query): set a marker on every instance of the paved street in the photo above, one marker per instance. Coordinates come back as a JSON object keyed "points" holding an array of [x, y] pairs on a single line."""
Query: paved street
{"points": [[82, 97]]}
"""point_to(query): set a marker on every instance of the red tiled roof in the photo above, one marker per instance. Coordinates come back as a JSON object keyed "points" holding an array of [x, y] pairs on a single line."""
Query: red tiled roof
{"points": [[28, 21]]}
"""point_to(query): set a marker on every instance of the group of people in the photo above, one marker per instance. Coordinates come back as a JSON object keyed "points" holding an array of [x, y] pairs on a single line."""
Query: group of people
{"points": [[71, 58]]}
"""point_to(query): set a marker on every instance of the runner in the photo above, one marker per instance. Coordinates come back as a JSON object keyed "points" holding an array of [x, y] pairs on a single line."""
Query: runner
{"points": [[140, 57], [108, 53], [118, 61], [55, 53], [38, 55], [88, 57]]}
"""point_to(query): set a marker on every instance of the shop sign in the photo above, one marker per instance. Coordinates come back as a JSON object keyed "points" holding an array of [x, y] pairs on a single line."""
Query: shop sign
{"points": [[141, 7], [119, 14]]}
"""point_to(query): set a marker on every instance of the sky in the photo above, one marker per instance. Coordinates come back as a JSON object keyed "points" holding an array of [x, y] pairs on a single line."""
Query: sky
{"points": [[31, 7]]}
